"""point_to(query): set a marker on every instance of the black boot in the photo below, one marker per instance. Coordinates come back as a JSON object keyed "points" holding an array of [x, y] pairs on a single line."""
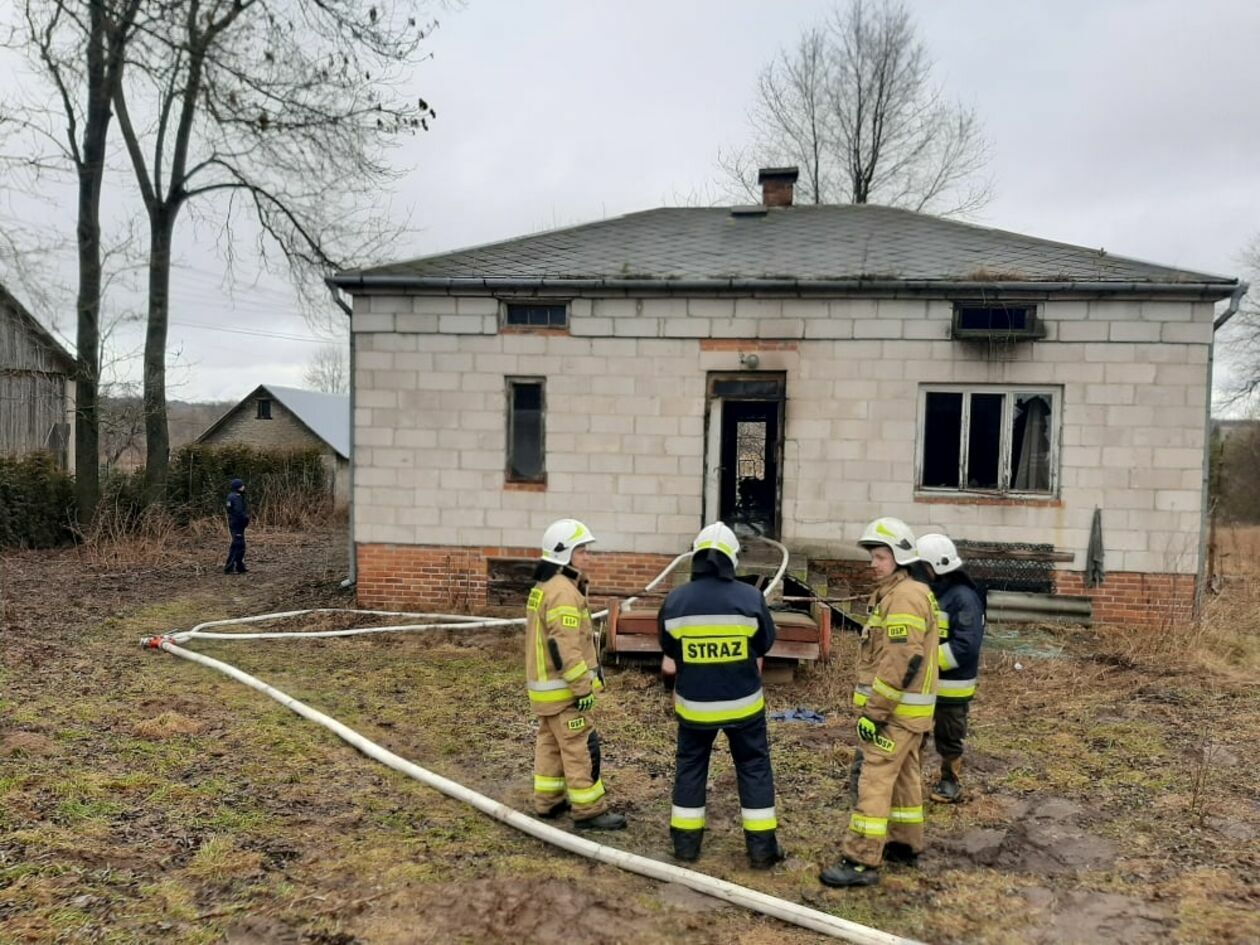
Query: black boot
{"points": [[561, 808], [903, 853], [763, 849], [948, 790], [605, 821], [687, 844], [847, 873]]}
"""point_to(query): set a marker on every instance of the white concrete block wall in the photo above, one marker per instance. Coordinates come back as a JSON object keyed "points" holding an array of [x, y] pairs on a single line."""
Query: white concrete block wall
{"points": [[625, 411]]}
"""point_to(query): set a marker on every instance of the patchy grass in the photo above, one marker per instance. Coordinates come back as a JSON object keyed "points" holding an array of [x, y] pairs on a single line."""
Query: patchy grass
{"points": [[144, 798]]}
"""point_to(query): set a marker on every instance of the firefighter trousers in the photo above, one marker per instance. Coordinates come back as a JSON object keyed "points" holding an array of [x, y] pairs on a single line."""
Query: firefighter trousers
{"points": [[750, 749], [566, 765], [890, 796], [949, 728]]}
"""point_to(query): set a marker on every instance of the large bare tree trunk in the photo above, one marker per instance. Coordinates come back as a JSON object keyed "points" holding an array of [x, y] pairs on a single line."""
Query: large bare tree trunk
{"points": [[91, 171], [156, 433]]}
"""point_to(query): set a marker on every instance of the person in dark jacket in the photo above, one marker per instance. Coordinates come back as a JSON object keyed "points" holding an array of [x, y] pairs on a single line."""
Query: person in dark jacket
{"points": [[961, 636], [716, 630], [238, 520]]}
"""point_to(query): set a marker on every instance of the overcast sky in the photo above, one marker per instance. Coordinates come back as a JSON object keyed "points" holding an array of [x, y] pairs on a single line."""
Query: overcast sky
{"points": [[1132, 125]]}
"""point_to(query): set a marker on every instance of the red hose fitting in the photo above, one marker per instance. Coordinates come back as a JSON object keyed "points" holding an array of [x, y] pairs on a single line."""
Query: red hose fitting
{"points": [[154, 643]]}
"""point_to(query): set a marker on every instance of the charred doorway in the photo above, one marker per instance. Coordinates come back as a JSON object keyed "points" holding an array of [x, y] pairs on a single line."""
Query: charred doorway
{"points": [[745, 451]]}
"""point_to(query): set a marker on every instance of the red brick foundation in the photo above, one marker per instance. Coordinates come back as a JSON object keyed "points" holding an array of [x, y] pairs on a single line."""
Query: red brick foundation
{"points": [[1150, 601], [452, 579], [455, 580]]}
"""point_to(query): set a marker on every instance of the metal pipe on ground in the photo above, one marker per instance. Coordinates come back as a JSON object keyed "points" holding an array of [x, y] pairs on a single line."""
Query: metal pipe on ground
{"points": [[1039, 603], [1034, 616]]}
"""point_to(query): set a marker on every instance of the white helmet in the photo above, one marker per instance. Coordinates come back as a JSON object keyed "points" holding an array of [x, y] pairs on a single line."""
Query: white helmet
{"points": [[562, 537], [895, 535], [940, 552], [720, 537]]}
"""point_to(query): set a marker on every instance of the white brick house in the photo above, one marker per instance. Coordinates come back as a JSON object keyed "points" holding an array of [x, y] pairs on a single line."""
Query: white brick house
{"points": [[802, 369]]}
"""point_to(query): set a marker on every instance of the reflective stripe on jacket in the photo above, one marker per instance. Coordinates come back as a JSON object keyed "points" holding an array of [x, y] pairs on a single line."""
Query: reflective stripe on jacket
{"points": [[897, 659], [560, 661], [715, 630], [961, 636]]}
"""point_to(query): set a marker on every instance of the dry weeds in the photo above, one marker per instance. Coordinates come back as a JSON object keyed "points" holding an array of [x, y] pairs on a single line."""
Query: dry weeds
{"points": [[126, 825]]}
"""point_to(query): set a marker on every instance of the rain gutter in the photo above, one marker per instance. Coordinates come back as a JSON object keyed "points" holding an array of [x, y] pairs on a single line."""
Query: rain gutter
{"points": [[1235, 300], [456, 286]]}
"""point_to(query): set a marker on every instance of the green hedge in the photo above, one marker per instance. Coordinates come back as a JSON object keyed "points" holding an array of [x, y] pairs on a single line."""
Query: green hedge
{"points": [[278, 483], [36, 502]]}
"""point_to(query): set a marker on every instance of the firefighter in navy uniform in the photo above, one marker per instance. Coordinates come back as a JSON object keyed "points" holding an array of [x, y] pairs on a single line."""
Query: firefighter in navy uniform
{"points": [[961, 636], [563, 675], [238, 521], [716, 629], [895, 696]]}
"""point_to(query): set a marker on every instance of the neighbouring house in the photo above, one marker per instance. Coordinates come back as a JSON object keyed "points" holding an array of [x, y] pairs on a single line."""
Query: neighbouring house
{"points": [[797, 371], [274, 417], [36, 387]]}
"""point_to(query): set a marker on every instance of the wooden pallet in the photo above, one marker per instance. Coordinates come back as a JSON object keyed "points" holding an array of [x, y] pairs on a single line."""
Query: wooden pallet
{"points": [[799, 636]]}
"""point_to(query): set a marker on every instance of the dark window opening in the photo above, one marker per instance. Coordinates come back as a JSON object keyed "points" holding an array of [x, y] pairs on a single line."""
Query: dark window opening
{"points": [[987, 321], [264, 408], [525, 430], [942, 437], [508, 580], [984, 447], [536, 316], [988, 441]]}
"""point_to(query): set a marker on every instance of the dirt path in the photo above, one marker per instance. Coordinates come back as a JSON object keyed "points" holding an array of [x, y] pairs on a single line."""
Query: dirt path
{"points": [[146, 799]]}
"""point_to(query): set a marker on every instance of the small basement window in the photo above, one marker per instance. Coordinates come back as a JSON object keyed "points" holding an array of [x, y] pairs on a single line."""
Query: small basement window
{"points": [[535, 315], [990, 320], [525, 431], [989, 439], [264, 408]]}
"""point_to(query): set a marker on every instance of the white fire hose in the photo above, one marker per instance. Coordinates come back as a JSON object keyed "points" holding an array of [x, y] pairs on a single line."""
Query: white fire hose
{"points": [[782, 909]]}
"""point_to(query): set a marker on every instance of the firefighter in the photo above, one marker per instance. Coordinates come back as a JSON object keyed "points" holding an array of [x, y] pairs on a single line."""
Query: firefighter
{"points": [[894, 696], [716, 630], [563, 675], [238, 521], [958, 656]]}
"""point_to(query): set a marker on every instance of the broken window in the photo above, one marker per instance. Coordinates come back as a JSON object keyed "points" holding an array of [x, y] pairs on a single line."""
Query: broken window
{"points": [[264, 408], [988, 440], [981, 320], [534, 315], [525, 430]]}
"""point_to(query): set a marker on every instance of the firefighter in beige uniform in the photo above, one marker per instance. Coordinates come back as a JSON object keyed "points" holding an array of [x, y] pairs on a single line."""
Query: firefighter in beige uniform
{"points": [[895, 697], [563, 675]]}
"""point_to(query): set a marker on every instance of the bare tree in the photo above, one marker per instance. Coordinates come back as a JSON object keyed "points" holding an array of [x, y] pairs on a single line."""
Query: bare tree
{"points": [[329, 370], [1241, 343], [854, 107], [283, 108], [79, 44]]}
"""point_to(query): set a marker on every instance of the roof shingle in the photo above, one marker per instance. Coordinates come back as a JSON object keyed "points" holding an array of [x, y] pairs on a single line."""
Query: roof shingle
{"points": [[805, 243]]}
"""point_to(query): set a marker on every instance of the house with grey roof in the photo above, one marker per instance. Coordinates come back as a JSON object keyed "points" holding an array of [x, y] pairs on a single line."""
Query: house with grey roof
{"points": [[287, 418], [795, 371], [37, 392]]}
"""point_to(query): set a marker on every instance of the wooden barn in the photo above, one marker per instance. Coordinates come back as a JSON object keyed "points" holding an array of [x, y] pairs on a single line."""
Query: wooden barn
{"points": [[36, 389]]}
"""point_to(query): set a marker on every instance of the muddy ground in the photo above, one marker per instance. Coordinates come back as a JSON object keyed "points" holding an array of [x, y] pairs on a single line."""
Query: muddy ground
{"points": [[1114, 795]]}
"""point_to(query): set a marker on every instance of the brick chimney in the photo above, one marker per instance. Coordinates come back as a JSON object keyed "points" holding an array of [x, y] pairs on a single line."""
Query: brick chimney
{"points": [[777, 184]]}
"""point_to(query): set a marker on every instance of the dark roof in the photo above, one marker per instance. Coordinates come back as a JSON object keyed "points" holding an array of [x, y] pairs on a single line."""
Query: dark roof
{"points": [[802, 244], [45, 337], [327, 416]]}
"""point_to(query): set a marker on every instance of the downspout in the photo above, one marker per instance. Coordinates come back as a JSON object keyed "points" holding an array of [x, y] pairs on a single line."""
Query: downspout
{"points": [[352, 565], [1205, 501]]}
